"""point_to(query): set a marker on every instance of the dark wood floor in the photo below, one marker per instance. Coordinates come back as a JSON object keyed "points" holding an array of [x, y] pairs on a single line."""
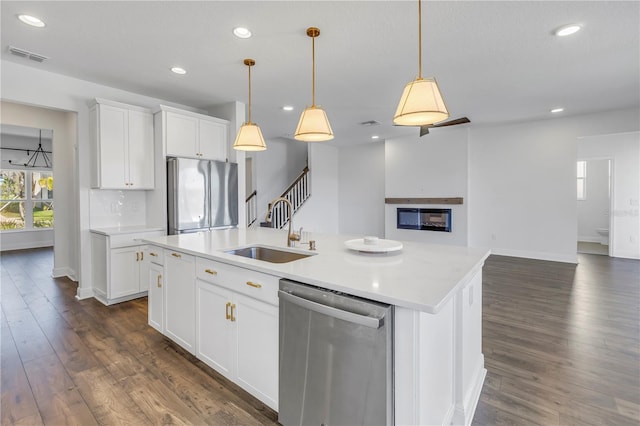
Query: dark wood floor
{"points": [[561, 345], [561, 342]]}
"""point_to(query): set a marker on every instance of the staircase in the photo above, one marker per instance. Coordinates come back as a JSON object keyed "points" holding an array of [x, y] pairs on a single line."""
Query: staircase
{"points": [[251, 206], [297, 193]]}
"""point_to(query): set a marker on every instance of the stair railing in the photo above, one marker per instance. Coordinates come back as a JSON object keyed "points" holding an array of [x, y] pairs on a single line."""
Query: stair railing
{"points": [[297, 193], [251, 206]]}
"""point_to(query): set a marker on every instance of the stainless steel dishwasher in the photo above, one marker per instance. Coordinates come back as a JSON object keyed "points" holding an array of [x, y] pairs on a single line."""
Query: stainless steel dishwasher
{"points": [[336, 358]]}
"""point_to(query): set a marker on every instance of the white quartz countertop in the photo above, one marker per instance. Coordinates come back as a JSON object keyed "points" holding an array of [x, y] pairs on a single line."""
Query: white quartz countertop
{"points": [[420, 276], [119, 230]]}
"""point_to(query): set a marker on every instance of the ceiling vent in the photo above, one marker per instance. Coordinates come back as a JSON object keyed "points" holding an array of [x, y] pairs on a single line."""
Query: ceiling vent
{"points": [[26, 54], [370, 123]]}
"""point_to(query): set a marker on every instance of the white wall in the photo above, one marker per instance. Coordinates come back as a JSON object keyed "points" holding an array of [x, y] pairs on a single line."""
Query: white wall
{"points": [[31, 86], [522, 183], [624, 150], [361, 189], [433, 166], [276, 168], [63, 125], [593, 211], [320, 212]]}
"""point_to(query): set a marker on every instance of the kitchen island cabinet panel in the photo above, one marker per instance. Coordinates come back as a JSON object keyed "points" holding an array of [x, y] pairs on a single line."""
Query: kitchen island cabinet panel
{"points": [[257, 348], [179, 299], [156, 297], [214, 342]]}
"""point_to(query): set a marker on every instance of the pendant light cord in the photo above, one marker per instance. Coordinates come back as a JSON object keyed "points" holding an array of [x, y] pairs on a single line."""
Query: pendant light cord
{"points": [[420, 39], [313, 71], [249, 93]]}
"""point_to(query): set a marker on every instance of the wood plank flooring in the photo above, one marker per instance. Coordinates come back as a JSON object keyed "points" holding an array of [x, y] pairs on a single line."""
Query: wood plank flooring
{"points": [[70, 362], [561, 346], [561, 342]]}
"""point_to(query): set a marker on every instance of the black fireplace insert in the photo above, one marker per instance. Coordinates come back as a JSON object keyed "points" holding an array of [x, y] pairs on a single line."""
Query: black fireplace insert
{"points": [[424, 219]]}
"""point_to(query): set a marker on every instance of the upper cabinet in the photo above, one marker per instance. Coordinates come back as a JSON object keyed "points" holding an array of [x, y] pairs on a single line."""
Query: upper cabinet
{"points": [[188, 134], [123, 148]]}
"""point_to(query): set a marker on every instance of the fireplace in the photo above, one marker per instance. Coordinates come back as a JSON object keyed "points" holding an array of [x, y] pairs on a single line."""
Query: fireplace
{"points": [[424, 219]]}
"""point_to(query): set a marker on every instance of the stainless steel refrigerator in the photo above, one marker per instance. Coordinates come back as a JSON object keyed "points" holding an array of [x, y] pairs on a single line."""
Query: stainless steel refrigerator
{"points": [[201, 195]]}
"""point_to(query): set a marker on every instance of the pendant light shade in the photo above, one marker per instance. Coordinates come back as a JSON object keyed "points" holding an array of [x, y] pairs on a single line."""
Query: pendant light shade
{"points": [[249, 136], [313, 125], [421, 102]]}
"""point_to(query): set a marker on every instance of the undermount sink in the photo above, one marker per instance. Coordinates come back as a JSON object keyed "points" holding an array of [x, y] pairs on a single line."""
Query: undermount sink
{"points": [[267, 254]]}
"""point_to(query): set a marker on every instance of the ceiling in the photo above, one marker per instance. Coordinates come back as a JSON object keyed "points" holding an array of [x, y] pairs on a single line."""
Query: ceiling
{"points": [[495, 61]]}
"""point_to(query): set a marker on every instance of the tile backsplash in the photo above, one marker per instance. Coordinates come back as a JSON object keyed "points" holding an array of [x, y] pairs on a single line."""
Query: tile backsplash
{"points": [[111, 208]]}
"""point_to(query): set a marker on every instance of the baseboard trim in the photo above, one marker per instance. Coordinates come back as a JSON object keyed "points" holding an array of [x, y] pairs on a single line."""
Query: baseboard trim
{"points": [[463, 415], [8, 246], [84, 293], [554, 257], [64, 271], [588, 239]]}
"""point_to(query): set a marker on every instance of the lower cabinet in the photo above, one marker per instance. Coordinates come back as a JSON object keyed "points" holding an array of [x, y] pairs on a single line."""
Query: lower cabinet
{"points": [[127, 270], [257, 348], [225, 315], [120, 266], [156, 297], [179, 299]]}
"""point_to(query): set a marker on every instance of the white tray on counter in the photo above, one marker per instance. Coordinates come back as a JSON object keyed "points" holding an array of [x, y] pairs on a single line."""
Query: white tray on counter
{"points": [[373, 246]]}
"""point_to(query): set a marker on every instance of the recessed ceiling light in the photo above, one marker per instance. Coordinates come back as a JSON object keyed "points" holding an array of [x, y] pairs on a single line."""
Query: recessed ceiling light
{"points": [[287, 108], [178, 70], [31, 20], [241, 32], [556, 110], [375, 137], [567, 30]]}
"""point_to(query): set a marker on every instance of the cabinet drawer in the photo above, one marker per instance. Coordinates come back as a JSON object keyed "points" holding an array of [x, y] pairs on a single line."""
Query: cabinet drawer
{"points": [[251, 283], [154, 255]]}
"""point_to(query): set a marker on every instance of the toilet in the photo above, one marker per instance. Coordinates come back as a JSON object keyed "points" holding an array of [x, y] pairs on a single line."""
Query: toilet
{"points": [[604, 236]]}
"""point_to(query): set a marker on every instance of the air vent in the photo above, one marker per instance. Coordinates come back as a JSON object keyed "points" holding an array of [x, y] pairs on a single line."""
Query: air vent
{"points": [[27, 54], [370, 123]]}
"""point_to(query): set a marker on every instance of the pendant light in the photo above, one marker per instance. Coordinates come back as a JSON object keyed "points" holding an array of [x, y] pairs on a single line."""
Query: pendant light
{"points": [[313, 125], [249, 136], [421, 102]]}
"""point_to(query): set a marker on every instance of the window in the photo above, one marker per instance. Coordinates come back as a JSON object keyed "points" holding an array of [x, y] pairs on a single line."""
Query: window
{"points": [[582, 180], [26, 199]]}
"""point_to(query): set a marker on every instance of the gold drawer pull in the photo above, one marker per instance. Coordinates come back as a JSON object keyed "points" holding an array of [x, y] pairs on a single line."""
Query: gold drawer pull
{"points": [[227, 310], [232, 308], [159, 281], [209, 271], [255, 285], [152, 254], [176, 255], [137, 256]]}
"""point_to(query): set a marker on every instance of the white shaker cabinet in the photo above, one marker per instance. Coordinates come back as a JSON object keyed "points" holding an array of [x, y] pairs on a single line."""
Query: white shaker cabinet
{"points": [[214, 317], [192, 135], [237, 326], [155, 280], [119, 268], [123, 147], [179, 299]]}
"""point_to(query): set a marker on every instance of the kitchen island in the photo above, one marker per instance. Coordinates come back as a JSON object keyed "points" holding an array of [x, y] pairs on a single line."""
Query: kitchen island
{"points": [[436, 292]]}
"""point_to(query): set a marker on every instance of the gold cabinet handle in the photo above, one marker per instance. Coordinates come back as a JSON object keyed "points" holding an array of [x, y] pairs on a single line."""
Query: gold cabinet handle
{"points": [[227, 310], [176, 255], [254, 285], [209, 271], [159, 281], [137, 256], [141, 255], [152, 254], [232, 309]]}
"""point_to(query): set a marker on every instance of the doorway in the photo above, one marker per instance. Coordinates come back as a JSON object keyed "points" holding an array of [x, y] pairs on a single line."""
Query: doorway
{"points": [[594, 205]]}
